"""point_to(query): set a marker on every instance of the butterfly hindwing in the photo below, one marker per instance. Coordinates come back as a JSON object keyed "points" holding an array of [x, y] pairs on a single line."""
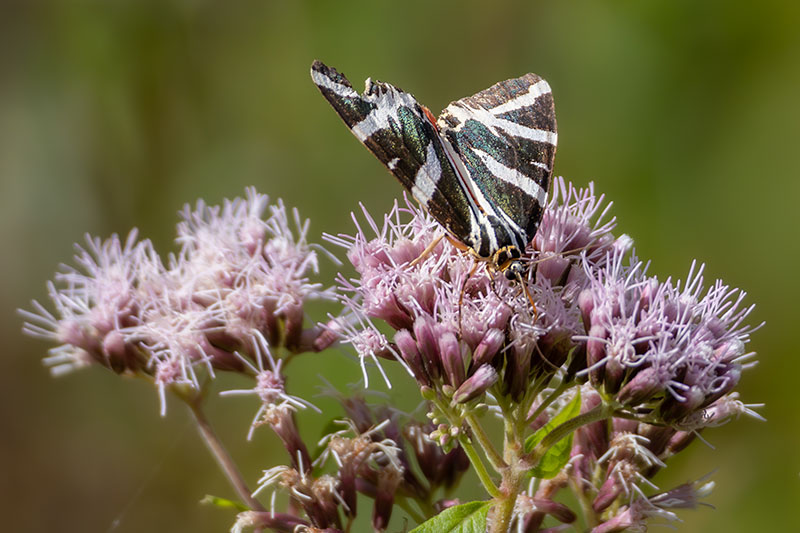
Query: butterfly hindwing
{"points": [[394, 127], [506, 136]]}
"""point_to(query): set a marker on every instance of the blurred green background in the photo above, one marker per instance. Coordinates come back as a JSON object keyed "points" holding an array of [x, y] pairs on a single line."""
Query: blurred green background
{"points": [[113, 114]]}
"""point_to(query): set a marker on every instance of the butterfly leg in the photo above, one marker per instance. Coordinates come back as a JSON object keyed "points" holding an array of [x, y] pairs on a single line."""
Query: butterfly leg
{"points": [[528, 295], [427, 251]]}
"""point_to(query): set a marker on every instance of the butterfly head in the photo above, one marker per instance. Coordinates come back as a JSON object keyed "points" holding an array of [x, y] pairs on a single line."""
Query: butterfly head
{"points": [[507, 260]]}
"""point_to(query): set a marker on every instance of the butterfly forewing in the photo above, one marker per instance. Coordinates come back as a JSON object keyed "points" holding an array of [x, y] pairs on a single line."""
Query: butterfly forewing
{"points": [[506, 136], [394, 127]]}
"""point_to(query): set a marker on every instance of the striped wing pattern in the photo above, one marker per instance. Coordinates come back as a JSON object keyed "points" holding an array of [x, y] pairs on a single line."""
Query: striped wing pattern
{"points": [[482, 170], [395, 128], [507, 137]]}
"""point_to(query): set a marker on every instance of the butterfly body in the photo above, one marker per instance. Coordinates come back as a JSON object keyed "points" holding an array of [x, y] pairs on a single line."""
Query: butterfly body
{"points": [[482, 169]]}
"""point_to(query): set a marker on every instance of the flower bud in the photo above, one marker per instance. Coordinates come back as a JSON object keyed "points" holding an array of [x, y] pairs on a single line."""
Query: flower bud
{"points": [[657, 437], [358, 412], [646, 384], [453, 467], [114, 346], [727, 377], [488, 348], [552, 267], [596, 352], [271, 324], [121, 355], [586, 305], [281, 419], [347, 488], [606, 495], [623, 425], [452, 361], [408, 351], [553, 349], [673, 409], [324, 506], [441, 505], [592, 437], [384, 301], [613, 374], [293, 325], [627, 519], [679, 441], [476, 384], [326, 336], [219, 358], [517, 370], [388, 480], [686, 496], [428, 347], [559, 511], [532, 522]]}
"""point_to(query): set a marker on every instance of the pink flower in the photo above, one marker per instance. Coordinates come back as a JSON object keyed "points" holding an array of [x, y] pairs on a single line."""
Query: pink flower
{"points": [[239, 283]]}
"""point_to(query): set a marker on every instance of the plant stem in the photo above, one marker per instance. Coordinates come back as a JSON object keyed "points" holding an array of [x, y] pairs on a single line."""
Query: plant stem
{"points": [[586, 505], [558, 391], [466, 443], [519, 463], [513, 481], [494, 457], [530, 396], [221, 455], [480, 468], [515, 473]]}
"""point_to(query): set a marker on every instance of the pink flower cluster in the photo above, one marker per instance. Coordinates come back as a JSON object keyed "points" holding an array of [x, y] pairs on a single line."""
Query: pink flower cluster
{"points": [[234, 293]]}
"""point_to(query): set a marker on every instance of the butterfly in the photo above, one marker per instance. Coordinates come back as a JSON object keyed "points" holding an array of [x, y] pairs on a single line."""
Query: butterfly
{"points": [[482, 169]]}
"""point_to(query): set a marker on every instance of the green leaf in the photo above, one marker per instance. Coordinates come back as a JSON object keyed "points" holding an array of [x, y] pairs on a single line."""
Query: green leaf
{"points": [[465, 518], [557, 455], [225, 503]]}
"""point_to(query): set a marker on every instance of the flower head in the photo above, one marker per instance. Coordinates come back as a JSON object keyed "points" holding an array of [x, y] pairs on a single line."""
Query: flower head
{"points": [[452, 314], [94, 303], [239, 284], [663, 356], [666, 346]]}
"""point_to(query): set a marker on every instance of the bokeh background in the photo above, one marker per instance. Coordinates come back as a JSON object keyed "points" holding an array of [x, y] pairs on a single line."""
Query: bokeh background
{"points": [[113, 114]]}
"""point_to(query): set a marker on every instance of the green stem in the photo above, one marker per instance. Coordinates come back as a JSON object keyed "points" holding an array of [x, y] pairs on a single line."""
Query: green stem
{"points": [[589, 516], [503, 510], [514, 475], [494, 457], [510, 433], [455, 420], [480, 468], [530, 396], [220, 454], [557, 392]]}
